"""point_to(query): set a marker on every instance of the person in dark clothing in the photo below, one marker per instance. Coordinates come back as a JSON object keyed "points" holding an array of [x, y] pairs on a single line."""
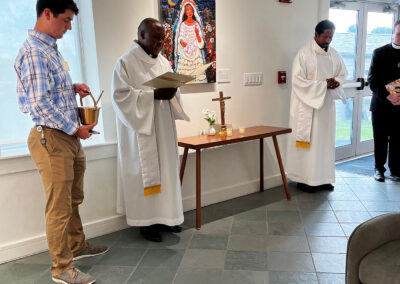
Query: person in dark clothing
{"points": [[385, 106]]}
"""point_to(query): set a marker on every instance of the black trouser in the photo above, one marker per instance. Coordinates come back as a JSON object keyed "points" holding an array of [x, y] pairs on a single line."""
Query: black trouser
{"points": [[386, 129]]}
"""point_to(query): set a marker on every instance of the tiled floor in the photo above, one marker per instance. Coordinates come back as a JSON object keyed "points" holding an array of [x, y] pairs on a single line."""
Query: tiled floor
{"points": [[259, 238]]}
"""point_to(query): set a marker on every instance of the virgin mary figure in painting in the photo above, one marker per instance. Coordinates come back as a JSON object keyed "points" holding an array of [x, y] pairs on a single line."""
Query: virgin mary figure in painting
{"points": [[189, 41]]}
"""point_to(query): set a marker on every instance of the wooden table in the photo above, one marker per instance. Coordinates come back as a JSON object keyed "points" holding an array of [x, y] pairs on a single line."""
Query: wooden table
{"points": [[252, 133]]}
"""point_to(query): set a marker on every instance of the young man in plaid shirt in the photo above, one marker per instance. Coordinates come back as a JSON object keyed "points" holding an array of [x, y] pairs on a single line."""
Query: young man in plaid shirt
{"points": [[46, 92]]}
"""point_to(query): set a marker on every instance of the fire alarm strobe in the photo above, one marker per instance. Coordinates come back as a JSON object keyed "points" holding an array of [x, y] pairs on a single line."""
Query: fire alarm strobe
{"points": [[281, 77]]}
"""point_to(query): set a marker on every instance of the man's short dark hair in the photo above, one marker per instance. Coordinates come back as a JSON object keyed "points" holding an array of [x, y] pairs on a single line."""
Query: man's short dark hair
{"points": [[324, 25], [396, 24], [55, 6]]}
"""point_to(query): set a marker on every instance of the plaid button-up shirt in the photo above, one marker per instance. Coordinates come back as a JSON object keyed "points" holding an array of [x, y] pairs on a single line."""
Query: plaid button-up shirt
{"points": [[44, 87]]}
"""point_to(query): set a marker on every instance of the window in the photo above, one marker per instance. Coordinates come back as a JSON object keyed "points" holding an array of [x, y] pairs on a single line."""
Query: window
{"points": [[16, 17]]}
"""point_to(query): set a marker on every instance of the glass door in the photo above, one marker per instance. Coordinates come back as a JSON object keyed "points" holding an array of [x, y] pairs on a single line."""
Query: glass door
{"points": [[360, 28]]}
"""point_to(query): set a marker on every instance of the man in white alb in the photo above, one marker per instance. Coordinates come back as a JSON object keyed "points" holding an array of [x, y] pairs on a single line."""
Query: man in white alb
{"points": [[318, 74], [149, 189]]}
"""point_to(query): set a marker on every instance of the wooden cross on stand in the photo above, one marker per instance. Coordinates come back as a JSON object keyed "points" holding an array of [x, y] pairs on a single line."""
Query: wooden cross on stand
{"points": [[221, 100]]}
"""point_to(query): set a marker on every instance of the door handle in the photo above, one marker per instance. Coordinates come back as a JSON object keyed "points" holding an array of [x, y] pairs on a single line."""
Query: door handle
{"points": [[363, 83]]}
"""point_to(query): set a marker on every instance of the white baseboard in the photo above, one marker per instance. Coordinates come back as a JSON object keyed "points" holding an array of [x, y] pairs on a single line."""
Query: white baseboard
{"points": [[37, 244], [230, 192]]}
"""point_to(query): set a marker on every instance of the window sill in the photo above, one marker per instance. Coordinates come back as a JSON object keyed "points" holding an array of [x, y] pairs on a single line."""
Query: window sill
{"points": [[19, 160]]}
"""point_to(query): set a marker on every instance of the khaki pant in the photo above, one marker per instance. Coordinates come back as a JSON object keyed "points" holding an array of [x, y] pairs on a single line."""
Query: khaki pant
{"points": [[61, 164]]}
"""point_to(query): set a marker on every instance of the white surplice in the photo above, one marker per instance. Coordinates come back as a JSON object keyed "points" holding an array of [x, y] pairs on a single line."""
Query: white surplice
{"points": [[138, 113], [311, 67]]}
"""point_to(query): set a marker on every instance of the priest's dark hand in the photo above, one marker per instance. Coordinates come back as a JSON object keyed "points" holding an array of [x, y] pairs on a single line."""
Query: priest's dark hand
{"points": [[332, 83], [164, 94]]}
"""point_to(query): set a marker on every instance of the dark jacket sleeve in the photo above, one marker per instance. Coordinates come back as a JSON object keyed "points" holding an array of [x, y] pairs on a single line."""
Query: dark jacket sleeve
{"points": [[376, 75]]}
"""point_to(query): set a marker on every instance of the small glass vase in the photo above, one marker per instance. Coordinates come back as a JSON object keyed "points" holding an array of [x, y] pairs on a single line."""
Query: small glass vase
{"points": [[211, 130]]}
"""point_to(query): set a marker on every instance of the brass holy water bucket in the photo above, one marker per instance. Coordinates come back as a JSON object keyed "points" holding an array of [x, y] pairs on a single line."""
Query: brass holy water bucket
{"points": [[89, 115]]}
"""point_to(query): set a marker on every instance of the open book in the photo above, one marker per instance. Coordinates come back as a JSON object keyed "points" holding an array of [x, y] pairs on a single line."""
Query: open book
{"points": [[393, 86], [175, 80]]}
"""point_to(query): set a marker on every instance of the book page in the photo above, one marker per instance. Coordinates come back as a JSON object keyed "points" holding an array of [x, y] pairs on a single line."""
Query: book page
{"points": [[169, 80], [201, 69]]}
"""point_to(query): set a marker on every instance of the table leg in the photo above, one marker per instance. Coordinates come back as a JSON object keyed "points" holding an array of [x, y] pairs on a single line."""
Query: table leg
{"points": [[261, 164], [278, 156], [183, 164], [198, 189]]}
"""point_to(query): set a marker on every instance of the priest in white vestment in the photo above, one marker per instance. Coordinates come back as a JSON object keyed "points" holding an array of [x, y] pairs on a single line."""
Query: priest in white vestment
{"points": [[149, 189], [317, 79]]}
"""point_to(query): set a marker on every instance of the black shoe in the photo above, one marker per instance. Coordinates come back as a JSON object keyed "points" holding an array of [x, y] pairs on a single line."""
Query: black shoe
{"points": [[327, 186], [150, 234], [307, 188], [166, 228], [394, 177], [379, 176]]}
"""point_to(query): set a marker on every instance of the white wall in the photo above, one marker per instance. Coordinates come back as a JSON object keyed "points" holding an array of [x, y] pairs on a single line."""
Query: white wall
{"points": [[252, 36]]}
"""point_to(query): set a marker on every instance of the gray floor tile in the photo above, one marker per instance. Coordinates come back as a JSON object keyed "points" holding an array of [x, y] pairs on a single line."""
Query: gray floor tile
{"points": [[45, 278], [342, 186], [40, 258], [153, 275], [242, 276], [242, 227], [246, 260], [324, 229], [318, 217], [393, 195], [352, 216], [277, 277], [286, 229], [311, 197], [348, 228], [122, 257], [247, 243], [253, 215], [284, 205], [287, 244], [311, 205], [372, 196], [110, 274], [14, 272], [220, 227], [382, 206], [292, 262], [342, 195], [203, 258], [198, 276], [326, 278], [328, 244], [347, 205], [378, 213], [131, 238], [200, 241], [283, 217], [329, 263], [162, 258], [106, 240]]}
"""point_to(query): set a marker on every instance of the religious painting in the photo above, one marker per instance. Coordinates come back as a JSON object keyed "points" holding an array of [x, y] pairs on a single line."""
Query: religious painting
{"points": [[190, 44]]}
